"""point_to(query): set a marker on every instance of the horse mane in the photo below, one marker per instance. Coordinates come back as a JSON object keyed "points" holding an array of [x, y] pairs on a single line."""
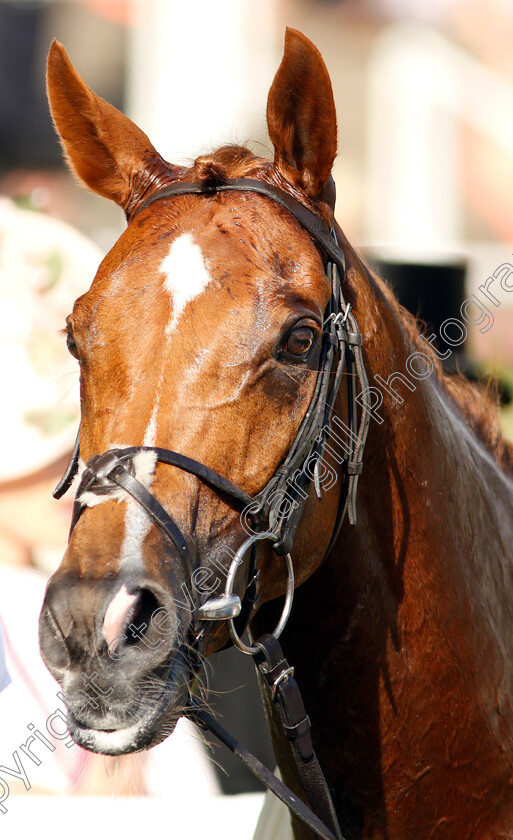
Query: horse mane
{"points": [[477, 402]]}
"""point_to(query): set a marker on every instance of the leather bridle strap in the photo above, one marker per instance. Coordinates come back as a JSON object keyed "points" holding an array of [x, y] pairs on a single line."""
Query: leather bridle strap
{"points": [[206, 721], [104, 473], [271, 782], [286, 699], [308, 220]]}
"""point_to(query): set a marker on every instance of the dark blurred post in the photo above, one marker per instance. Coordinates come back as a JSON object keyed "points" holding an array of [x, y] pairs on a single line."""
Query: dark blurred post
{"points": [[433, 292], [26, 133]]}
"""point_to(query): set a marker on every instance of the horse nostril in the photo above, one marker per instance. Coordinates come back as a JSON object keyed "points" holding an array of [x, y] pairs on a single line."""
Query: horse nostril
{"points": [[145, 607], [128, 617], [138, 619]]}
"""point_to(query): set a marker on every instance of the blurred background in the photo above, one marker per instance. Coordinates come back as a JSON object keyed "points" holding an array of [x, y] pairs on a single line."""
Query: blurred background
{"points": [[424, 93], [424, 96]]}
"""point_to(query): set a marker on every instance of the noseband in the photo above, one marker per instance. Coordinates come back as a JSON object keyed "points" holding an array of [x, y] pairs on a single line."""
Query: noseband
{"points": [[277, 508]]}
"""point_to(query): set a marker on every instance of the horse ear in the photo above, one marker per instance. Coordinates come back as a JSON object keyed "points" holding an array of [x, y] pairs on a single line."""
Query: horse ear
{"points": [[105, 149], [301, 116]]}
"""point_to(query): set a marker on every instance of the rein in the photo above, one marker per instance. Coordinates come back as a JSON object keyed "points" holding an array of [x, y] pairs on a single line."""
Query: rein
{"points": [[275, 511]]}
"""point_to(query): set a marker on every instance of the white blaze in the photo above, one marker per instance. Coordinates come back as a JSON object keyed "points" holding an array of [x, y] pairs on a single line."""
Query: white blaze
{"points": [[185, 278], [186, 275], [137, 521]]}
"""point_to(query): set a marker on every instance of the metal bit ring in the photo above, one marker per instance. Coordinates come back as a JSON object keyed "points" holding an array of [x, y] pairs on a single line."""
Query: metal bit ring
{"points": [[289, 596]]}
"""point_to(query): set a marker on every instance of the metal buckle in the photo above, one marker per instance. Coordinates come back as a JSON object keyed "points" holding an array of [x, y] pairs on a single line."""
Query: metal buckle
{"points": [[288, 672], [339, 318], [101, 467]]}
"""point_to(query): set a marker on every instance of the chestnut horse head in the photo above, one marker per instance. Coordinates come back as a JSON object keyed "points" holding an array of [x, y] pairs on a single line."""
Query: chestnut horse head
{"points": [[201, 335], [209, 347]]}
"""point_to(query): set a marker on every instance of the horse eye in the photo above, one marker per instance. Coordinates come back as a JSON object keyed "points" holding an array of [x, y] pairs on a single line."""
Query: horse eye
{"points": [[299, 341], [70, 343]]}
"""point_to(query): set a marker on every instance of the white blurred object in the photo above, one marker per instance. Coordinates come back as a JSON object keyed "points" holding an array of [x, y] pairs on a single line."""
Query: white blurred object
{"points": [[425, 10], [44, 265], [421, 87], [199, 72], [177, 817], [179, 761], [5, 679], [274, 820]]}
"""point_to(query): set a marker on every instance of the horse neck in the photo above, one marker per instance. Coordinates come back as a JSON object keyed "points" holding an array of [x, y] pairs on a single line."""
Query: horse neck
{"points": [[427, 484], [426, 526], [410, 589], [427, 476]]}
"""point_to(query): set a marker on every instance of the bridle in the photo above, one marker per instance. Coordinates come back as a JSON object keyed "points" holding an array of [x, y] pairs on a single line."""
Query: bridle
{"points": [[275, 511], [277, 508]]}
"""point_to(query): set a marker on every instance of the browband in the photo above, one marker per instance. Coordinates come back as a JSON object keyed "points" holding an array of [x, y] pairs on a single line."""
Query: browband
{"points": [[308, 220]]}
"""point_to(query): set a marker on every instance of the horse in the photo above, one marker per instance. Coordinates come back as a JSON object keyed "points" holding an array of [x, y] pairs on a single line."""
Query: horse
{"points": [[203, 336]]}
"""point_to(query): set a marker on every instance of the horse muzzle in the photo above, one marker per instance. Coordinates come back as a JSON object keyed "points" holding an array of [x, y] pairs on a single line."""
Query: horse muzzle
{"points": [[144, 662]]}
